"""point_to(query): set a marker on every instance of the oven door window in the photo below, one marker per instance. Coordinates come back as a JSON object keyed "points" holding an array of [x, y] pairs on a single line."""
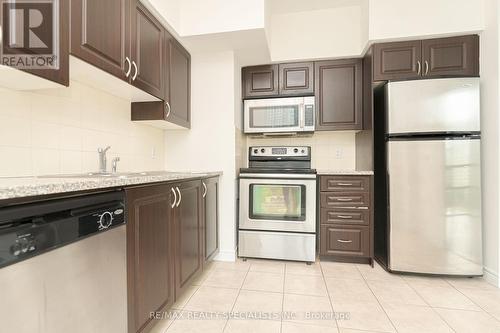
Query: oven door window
{"points": [[274, 117], [278, 202]]}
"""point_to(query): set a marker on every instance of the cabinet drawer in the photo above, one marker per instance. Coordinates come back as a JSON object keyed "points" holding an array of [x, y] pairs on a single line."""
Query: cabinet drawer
{"points": [[345, 216], [344, 199], [344, 241], [344, 183]]}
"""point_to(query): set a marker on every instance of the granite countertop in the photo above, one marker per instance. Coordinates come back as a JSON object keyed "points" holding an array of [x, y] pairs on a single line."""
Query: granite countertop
{"points": [[345, 172], [20, 187]]}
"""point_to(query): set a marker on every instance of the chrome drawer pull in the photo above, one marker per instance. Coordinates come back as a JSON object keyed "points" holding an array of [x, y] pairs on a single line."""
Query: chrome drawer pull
{"points": [[344, 184], [344, 241], [344, 199], [344, 216]]}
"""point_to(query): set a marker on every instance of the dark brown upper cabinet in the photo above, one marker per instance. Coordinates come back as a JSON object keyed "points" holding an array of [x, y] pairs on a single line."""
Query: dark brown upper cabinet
{"points": [[296, 79], [400, 60], [149, 254], [260, 81], [454, 56], [188, 238], [60, 75], [147, 51], [179, 84], [430, 58], [211, 217], [339, 97], [100, 34]]}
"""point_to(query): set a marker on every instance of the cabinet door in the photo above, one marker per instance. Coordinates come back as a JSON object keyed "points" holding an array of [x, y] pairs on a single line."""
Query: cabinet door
{"points": [[100, 34], [397, 61], [179, 83], [60, 75], [454, 56], [339, 95], [260, 81], [147, 51], [296, 79], [149, 254], [188, 235], [211, 217]]}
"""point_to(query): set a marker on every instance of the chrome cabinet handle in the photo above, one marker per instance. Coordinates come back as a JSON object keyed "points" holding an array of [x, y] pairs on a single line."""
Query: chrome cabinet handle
{"points": [[419, 67], [344, 184], [344, 216], [180, 197], [426, 67], [175, 197], [136, 71], [344, 241], [344, 199], [127, 61], [167, 110], [204, 189]]}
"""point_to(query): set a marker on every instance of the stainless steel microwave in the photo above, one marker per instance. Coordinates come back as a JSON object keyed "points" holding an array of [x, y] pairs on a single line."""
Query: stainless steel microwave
{"points": [[279, 115]]}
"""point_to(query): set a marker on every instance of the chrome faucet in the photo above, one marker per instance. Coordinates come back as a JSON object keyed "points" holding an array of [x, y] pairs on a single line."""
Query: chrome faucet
{"points": [[114, 165], [102, 159]]}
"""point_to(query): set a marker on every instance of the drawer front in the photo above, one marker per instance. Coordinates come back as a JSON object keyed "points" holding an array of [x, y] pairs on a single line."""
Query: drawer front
{"points": [[344, 199], [345, 216], [345, 183], [344, 241]]}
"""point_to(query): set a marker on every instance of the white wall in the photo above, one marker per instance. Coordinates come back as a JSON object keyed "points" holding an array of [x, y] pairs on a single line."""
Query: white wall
{"points": [[490, 126], [59, 130], [210, 144], [404, 18]]}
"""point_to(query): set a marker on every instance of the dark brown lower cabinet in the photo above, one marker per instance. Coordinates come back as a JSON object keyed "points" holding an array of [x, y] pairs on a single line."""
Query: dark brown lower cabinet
{"points": [[346, 218], [188, 238], [149, 254], [211, 217]]}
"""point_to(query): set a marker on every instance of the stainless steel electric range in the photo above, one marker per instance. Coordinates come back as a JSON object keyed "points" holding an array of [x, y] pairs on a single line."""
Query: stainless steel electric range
{"points": [[277, 218]]}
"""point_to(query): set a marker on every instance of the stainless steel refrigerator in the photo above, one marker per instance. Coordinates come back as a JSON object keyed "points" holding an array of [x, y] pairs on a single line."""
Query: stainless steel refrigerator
{"points": [[433, 165]]}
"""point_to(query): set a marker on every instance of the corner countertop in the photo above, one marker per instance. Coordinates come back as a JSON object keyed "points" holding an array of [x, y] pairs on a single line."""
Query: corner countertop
{"points": [[344, 172], [23, 187]]}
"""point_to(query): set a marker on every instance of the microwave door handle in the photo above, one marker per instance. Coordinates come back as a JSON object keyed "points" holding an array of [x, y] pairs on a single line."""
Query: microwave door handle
{"points": [[302, 115]]}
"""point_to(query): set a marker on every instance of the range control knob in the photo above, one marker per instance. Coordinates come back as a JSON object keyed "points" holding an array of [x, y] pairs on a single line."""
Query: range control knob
{"points": [[105, 220], [295, 150], [262, 150], [255, 151]]}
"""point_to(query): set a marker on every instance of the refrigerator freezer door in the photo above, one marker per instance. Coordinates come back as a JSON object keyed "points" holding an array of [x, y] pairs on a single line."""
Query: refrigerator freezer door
{"points": [[439, 105], [435, 207]]}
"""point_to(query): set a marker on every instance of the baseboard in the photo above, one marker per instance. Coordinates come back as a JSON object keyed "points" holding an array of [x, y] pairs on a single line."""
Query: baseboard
{"points": [[226, 256], [490, 276]]}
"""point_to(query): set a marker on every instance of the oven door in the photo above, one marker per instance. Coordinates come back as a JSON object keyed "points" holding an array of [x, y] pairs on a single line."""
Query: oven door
{"points": [[278, 203]]}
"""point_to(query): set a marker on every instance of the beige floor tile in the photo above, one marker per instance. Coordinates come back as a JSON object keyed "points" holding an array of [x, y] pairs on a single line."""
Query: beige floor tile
{"points": [[211, 299], [305, 285], [471, 283], [415, 319], [258, 301], [377, 273], [348, 289], [291, 327], [425, 281], [341, 270], [350, 330], [181, 302], [267, 266], [469, 321], [313, 310], [488, 300], [163, 324], [264, 282], [252, 326], [225, 279], [362, 315], [301, 268], [446, 297], [398, 292], [238, 265], [194, 322]]}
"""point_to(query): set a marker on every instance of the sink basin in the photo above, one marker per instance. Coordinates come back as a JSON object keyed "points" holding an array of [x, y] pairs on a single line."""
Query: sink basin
{"points": [[121, 175]]}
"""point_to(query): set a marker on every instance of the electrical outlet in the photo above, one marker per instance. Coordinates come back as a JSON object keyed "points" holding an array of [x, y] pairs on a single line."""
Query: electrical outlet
{"points": [[338, 153]]}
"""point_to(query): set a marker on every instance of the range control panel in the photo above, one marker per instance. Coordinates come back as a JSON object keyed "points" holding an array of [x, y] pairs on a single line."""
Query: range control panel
{"points": [[294, 151]]}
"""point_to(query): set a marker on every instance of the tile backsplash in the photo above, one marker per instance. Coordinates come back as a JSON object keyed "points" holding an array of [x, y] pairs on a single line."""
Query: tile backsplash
{"points": [[330, 150], [59, 131]]}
